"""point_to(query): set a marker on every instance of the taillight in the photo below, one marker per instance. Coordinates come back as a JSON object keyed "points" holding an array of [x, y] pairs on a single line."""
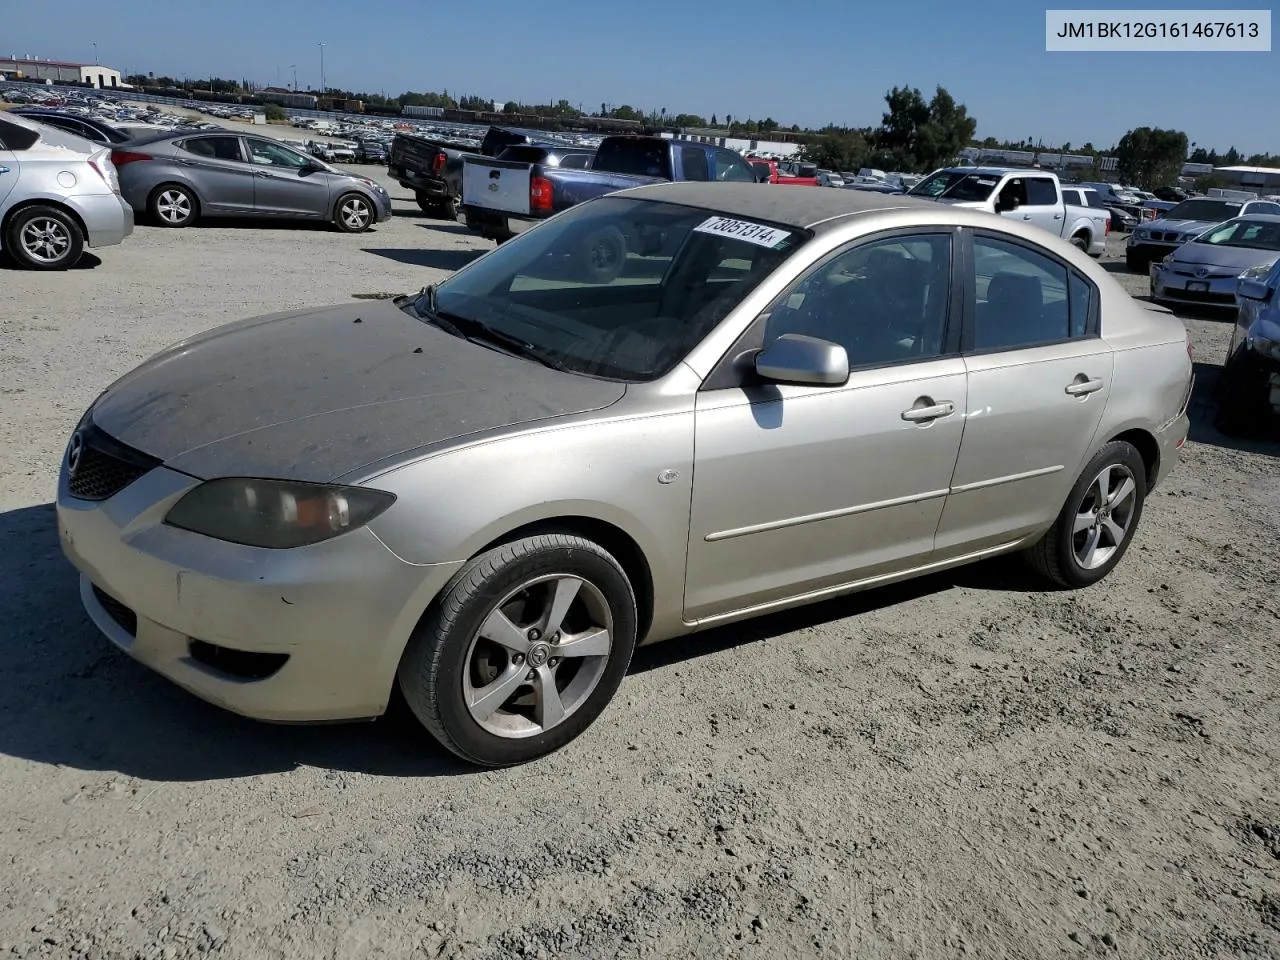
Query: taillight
{"points": [[121, 157], [106, 172], [437, 165], [540, 195]]}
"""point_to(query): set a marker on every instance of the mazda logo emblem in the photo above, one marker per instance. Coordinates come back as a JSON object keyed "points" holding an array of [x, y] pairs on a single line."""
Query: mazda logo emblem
{"points": [[74, 451]]}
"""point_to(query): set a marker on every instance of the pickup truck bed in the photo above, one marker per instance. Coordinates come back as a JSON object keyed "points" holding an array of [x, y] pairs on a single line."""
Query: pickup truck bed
{"points": [[432, 169]]}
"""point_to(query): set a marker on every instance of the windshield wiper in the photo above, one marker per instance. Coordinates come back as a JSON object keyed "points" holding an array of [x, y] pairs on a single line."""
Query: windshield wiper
{"points": [[476, 331]]}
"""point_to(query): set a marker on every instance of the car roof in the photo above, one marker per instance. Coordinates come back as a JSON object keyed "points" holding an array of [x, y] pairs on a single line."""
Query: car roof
{"points": [[795, 207], [1258, 218], [1001, 171]]}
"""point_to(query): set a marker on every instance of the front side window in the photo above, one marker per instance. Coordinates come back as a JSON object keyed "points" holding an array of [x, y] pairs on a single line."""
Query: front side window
{"points": [[1022, 297], [731, 167], [266, 153], [1252, 234], [956, 185], [214, 148], [885, 301], [617, 288]]}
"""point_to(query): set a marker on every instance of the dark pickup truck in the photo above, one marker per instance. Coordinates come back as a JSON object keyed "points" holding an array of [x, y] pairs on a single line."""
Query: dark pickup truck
{"points": [[502, 197], [433, 170]]}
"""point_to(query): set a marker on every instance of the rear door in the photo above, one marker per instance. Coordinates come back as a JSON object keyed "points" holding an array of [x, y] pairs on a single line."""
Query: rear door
{"points": [[1039, 375], [1043, 205], [284, 182], [220, 172]]}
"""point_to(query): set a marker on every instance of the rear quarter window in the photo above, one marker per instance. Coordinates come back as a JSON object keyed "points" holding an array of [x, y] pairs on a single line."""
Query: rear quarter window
{"points": [[14, 137]]}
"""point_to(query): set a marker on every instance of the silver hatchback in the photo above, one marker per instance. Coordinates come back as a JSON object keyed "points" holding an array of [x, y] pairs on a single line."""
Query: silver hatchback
{"points": [[177, 178], [58, 195]]}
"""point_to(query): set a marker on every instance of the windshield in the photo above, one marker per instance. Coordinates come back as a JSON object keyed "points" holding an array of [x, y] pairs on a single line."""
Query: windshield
{"points": [[1202, 209], [617, 288], [955, 185], [1253, 234]]}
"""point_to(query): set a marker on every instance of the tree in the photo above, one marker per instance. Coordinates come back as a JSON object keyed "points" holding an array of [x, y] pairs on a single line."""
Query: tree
{"points": [[1199, 155], [915, 135], [1151, 157], [688, 120], [1232, 157], [275, 113], [713, 120], [1208, 182], [838, 150], [511, 107]]}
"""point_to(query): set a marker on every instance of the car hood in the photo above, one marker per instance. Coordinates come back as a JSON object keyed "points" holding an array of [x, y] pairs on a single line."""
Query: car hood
{"points": [[1182, 226], [1235, 259], [317, 394]]}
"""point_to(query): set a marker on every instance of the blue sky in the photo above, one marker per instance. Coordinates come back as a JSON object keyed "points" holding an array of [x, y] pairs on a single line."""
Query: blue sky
{"points": [[807, 63]]}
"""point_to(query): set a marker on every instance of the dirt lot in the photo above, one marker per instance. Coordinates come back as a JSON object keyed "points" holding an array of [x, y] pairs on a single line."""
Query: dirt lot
{"points": [[961, 766]]}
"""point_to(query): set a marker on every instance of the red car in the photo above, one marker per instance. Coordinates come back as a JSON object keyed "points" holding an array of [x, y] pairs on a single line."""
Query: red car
{"points": [[775, 175]]}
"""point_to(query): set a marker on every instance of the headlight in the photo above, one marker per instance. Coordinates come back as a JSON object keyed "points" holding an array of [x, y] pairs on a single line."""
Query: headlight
{"points": [[277, 514], [1260, 272]]}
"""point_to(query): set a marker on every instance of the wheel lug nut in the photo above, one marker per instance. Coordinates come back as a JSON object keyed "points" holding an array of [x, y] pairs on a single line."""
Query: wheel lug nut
{"points": [[532, 674], [518, 659], [535, 634], [554, 661]]}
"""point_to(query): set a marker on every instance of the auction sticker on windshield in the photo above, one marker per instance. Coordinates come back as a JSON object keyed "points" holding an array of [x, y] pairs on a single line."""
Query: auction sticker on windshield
{"points": [[756, 233]]}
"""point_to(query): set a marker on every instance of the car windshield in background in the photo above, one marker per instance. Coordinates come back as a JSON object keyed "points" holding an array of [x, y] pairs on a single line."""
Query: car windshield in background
{"points": [[616, 288], [967, 187], [1253, 234], [1202, 209]]}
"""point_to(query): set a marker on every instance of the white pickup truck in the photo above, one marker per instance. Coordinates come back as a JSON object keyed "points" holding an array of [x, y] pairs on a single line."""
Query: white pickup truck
{"points": [[1031, 195]]}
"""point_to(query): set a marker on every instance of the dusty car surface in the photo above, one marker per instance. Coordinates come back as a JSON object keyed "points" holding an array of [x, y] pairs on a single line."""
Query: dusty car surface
{"points": [[1249, 390], [491, 492]]}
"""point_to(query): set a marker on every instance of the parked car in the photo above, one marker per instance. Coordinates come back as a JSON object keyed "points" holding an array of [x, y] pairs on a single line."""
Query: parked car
{"points": [[770, 171], [1173, 194], [1122, 221], [501, 198], [371, 151], [1190, 218], [433, 169], [90, 128], [811, 392], [829, 178], [1033, 196], [58, 194], [1204, 271], [1249, 388], [177, 179]]}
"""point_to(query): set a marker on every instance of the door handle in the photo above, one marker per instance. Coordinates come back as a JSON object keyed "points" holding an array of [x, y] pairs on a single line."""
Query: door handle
{"points": [[1079, 387], [4, 169], [928, 411], [186, 163], [1057, 216], [1026, 216], [263, 173]]}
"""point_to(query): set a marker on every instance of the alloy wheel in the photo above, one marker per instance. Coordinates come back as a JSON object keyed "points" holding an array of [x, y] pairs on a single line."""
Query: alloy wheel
{"points": [[537, 656], [45, 239], [174, 206], [355, 214], [1104, 516]]}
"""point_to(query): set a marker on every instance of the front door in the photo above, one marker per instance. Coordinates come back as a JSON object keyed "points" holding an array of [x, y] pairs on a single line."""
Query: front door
{"points": [[1038, 202], [799, 489], [285, 182], [1039, 379], [218, 170]]}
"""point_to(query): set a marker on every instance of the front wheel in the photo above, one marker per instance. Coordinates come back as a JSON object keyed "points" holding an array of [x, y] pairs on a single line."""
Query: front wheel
{"points": [[354, 213], [44, 238], [1098, 521], [523, 651]]}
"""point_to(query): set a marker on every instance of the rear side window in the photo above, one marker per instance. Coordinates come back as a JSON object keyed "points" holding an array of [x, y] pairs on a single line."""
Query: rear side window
{"points": [[576, 161], [639, 157], [1072, 197], [14, 137], [1041, 192], [1093, 200], [1080, 294], [1022, 296], [215, 148], [694, 161]]}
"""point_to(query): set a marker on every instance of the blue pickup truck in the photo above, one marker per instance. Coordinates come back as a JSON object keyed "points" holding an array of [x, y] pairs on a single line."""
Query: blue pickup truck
{"points": [[502, 197]]}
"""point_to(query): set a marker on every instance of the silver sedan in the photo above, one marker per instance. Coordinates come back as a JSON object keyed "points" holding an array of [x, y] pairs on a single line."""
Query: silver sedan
{"points": [[1204, 271], [665, 409], [176, 179], [58, 195]]}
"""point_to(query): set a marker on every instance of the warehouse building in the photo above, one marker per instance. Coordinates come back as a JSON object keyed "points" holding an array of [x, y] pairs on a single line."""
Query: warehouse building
{"points": [[60, 71]]}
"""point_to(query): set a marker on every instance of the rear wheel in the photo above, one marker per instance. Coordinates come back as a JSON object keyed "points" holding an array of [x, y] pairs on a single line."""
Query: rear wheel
{"points": [[524, 650], [172, 205], [1080, 242], [1097, 522], [44, 238], [447, 209], [354, 213]]}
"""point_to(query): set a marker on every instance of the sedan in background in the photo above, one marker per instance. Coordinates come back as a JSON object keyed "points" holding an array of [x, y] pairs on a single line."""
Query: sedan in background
{"points": [[1204, 271], [1249, 388], [58, 195], [490, 493], [90, 128], [178, 178], [1155, 239]]}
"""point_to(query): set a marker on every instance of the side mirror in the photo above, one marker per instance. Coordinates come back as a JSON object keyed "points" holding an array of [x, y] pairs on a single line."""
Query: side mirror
{"points": [[1252, 289], [795, 358]]}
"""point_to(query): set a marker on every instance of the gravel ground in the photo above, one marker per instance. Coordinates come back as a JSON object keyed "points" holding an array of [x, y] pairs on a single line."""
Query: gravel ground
{"points": [[957, 766]]}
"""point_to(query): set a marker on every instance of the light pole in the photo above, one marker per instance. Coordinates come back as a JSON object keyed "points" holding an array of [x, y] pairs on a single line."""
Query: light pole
{"points": [[322, 83], [294, 68], [95, 52]]}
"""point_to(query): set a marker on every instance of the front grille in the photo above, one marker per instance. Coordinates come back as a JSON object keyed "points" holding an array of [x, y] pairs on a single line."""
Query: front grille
{"points": [[117, 611], [99, 466]]}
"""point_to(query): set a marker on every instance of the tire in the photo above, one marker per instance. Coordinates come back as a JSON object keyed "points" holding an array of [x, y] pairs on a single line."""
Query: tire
{"points": [[1136, 262], [44, 238], [173, 205], [448, 664], [425, 203], [1080, 242], [602, 255], [448, 208], [353, 213], [1062, 556], [1242, 400]]}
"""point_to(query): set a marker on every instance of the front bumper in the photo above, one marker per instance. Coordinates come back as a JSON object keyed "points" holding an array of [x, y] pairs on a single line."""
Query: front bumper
{"points": [[1150, 250], [341, 611], [107, 218], [382, 204], [1169, 286]]}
